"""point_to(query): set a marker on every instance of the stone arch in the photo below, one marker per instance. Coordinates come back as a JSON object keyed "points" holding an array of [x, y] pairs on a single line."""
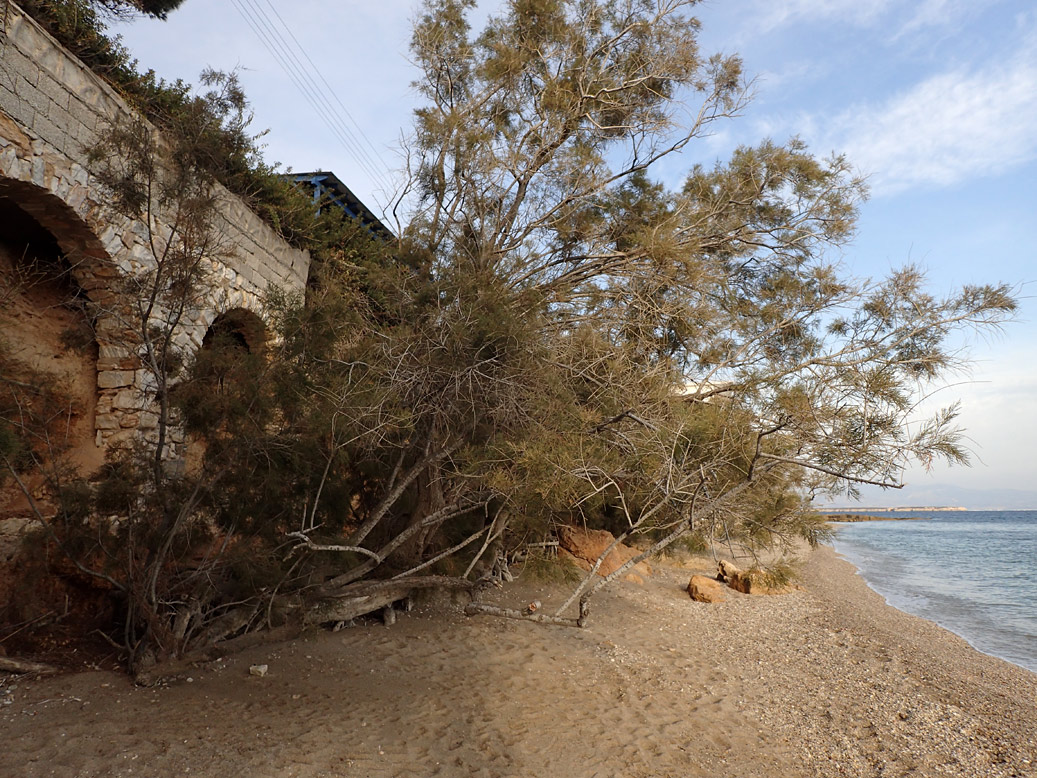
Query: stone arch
{"points": [[50, 350], [89, 262], [237, 327], [56, 199]]}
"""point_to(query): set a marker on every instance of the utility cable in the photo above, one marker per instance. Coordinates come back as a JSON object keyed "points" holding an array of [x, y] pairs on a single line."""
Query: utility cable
{"points": [[277, 47], [271, 45], [345, 110], [287, 49]]}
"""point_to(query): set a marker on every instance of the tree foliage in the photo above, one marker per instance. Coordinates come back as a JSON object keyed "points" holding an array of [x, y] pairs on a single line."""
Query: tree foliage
{"points": [[559, 338], [555, 338]]}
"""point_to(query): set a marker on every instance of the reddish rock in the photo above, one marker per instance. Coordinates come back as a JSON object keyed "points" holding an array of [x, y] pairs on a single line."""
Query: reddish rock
{"points": [[704, 589], [727, 571], [583, 564], [589, 544], [752, 581]]}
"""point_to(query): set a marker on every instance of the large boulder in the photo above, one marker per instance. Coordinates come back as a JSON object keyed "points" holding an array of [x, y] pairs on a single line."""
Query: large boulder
{"points": [[586, 545], [705, 589], [566, 556], [751, 581]]}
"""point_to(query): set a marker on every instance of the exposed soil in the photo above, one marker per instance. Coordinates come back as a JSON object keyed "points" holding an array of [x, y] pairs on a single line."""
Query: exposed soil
{"points": [[43, 327], [47, 344]]}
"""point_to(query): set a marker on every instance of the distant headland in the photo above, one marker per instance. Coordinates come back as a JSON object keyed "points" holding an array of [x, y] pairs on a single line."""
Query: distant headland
{"points": [[899, 509], [849, 517]]}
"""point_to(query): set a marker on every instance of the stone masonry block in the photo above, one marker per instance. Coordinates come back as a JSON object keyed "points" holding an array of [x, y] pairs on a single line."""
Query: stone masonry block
{"points": [[39, 102], [61, 187], [127, 399], [56, 92], [53, 62], [7, 85], [80, 174], [111, 379], [83, 114], [39, 171], [17, 167], [147, 420], [23, 71], [126, 363], [26, 35], [76, 197], [21, 111], [106, 422], [79, 80], [112, 351], [120, 438], [60, 117]]}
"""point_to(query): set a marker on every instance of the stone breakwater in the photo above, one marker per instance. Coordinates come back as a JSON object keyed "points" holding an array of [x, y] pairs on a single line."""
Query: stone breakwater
{"points": [[52, 107]]}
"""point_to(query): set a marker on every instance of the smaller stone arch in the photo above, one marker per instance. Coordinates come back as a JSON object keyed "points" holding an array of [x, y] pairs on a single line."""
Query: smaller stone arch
{"points": [[237, 328]]}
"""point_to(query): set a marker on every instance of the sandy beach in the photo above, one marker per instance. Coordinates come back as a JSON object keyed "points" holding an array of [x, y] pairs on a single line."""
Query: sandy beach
{"points": [[827, 681]]}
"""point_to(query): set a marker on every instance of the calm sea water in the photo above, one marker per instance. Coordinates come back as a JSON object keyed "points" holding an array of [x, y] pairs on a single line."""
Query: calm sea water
{"points": [[972, 572]]}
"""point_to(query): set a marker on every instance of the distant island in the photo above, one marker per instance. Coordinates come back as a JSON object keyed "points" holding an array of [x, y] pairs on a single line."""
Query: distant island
{"points": [[850, 517]]}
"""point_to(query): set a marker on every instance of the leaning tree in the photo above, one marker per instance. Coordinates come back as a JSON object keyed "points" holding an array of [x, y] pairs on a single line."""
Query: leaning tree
{"points": [[583, 342], [555, 337]]}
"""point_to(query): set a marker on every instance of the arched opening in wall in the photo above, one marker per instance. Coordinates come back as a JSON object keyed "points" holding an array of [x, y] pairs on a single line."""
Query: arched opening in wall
{"points": [[235, 332], [48, 352], [225, 377]]}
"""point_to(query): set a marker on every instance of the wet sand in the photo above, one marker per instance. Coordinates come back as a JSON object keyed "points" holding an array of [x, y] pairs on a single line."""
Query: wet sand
{"points": [[827, 681]]}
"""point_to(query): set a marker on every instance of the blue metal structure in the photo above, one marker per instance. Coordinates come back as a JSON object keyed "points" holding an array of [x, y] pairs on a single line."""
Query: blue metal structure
{"points": [[329, 190]]}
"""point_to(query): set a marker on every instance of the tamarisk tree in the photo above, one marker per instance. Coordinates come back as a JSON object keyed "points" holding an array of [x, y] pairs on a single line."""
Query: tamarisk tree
{"points": [[589, 345], [554, 338]]}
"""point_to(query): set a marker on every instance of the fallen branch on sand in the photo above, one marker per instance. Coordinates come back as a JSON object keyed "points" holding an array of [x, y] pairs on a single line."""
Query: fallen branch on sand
{"points": [[9, 665], [365, 597], [475, 608]]}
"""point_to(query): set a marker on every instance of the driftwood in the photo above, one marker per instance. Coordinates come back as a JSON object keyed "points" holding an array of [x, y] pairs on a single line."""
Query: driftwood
{"points": [[9, 665], [332, 605], [475, 608], [359, 599]]}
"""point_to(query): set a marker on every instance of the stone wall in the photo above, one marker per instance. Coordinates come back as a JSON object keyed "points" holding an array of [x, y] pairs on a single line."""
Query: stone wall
{"points": [[51, 108]]}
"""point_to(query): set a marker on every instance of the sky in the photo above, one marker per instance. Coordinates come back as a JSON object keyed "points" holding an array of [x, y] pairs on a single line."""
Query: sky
{"points": [[934, 100]]}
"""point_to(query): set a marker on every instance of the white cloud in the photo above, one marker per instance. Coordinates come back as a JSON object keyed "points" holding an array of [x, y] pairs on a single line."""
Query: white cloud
{"points": [[781, 12], [944, 130], [938, 13], [902, 20]]}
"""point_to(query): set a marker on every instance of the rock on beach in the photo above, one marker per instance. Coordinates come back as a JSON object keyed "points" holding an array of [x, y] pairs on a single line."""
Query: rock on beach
{"points": [[705, 589]]}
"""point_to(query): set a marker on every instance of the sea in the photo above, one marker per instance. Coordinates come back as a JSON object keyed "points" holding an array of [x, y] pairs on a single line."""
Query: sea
{"points": [[972, 572]]}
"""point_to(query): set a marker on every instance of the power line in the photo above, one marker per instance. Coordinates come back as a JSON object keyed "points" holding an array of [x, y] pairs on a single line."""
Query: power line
{"points": [[298, 78], [283, 54], [287, 48], [330, 88]]}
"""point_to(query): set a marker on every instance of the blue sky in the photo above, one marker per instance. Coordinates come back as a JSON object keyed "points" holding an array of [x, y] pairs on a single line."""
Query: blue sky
{"points": [[935, 100]]}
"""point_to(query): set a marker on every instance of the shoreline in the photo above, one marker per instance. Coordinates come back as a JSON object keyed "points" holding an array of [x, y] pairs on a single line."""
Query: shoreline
{"points": [[928, 627], [948, 628], [827, 681]]}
